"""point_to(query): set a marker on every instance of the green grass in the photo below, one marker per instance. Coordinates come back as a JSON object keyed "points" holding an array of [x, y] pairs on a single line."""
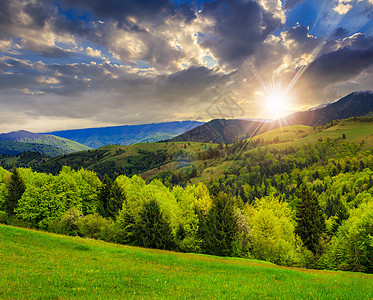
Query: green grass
{"points": [[355, 132], [288, 133], [37, 265]]}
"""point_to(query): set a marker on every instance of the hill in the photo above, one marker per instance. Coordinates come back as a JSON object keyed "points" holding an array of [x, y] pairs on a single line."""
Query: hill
{"points": [[227, 131], [353, 105], [16, 148], [127, 134], [41, 265], [224, 131], [17, 142], [149, 159], [129, 160], [356, 130]]}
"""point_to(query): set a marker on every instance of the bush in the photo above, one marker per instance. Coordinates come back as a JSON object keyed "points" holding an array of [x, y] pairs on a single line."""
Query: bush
{"points": [[93, 226], [3, 217], [68, 224]]}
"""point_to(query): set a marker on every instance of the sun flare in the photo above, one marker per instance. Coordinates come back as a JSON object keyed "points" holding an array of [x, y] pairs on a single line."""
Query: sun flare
{"points": [[277, 105]]}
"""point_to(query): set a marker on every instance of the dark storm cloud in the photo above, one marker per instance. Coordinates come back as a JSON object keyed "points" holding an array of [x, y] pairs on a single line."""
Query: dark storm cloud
{"points": [[343, 64], [76, 79], [340, 32], [193, 81], [240, 27], [298, 33]]}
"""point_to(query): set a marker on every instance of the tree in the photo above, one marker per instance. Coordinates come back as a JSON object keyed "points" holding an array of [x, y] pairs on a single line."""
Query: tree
{"points": [[310, 220], [15, 188], [115, 202], [220, 227], [152, 230], [104, 196]]}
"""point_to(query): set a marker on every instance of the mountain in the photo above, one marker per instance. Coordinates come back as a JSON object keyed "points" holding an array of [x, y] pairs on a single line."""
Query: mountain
{"points": [[127, 134], [353, 105], [16, 142], [221, 130]]}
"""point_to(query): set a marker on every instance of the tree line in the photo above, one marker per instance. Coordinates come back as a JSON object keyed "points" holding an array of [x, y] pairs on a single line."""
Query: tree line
{"points": [[294, 207]]}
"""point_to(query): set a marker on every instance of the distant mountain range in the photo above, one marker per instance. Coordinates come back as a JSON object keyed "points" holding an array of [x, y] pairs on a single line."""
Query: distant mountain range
{"points": [[17, 142], [221, 130], [126, 134], [217, 131]]}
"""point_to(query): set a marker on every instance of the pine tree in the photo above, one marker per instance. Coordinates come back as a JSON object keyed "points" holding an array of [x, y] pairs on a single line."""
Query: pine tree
{"points": [[220, 227], [104, 196], [310, 220], [115, 202], [16, 188], [153, 231], [341, 215]]}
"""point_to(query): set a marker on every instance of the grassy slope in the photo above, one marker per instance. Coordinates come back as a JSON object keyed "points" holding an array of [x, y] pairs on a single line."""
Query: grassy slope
{"points": [[299, 135], [355, 131], [42, 265]]}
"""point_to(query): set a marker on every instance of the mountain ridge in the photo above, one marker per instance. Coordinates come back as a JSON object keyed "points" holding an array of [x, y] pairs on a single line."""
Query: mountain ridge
{"points": [[97, 137], [20, 141], [355, 104]]}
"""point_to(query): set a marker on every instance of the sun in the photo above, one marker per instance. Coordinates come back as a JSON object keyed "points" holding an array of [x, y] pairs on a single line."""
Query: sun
{"points": [[277, 105]]}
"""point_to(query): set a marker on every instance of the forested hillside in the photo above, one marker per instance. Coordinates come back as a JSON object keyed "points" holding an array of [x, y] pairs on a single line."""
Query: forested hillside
{"points": [[17, 142], [127, 134], [306, 204]]}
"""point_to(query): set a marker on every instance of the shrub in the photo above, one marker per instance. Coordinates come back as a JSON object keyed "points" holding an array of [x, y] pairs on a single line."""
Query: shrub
{"points": [[68, 224], [92, 226], [3, 217]]}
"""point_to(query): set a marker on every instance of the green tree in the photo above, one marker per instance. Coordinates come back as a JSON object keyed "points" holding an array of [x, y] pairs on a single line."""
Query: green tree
{"points": [[351, 249], [104, 195], [341, 215], [115, 202], [15, 188], [310, 220], [220, 227], [152, 230]]}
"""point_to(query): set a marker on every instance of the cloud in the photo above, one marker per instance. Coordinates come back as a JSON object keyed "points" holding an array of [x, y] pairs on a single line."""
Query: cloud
{"points": [[349, 64], [238, 28], [343, 7], [93, 52]]}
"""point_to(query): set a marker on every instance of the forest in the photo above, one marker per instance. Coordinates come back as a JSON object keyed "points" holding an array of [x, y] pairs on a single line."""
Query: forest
{"points": [[306, 206]]}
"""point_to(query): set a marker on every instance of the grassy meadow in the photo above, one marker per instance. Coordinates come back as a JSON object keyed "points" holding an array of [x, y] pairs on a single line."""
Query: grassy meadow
{"points": [[38, 265]]}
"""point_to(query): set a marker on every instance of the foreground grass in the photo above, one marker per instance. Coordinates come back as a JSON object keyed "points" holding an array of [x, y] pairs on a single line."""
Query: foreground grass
{"points": [[40, 265]]}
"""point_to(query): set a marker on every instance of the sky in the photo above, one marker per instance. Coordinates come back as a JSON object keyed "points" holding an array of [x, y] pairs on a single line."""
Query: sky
{"points": [[68, 64]]}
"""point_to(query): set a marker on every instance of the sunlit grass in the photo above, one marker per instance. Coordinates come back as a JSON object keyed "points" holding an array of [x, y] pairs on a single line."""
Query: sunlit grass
{"points": [[36, 265]]}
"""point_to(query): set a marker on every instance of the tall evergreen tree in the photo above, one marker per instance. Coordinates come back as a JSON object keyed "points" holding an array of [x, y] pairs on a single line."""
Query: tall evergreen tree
{"points": [[104, 196], [152, 230], [310, 220], [341, 215], [15, 188], [220, 227], [115, 202]]}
